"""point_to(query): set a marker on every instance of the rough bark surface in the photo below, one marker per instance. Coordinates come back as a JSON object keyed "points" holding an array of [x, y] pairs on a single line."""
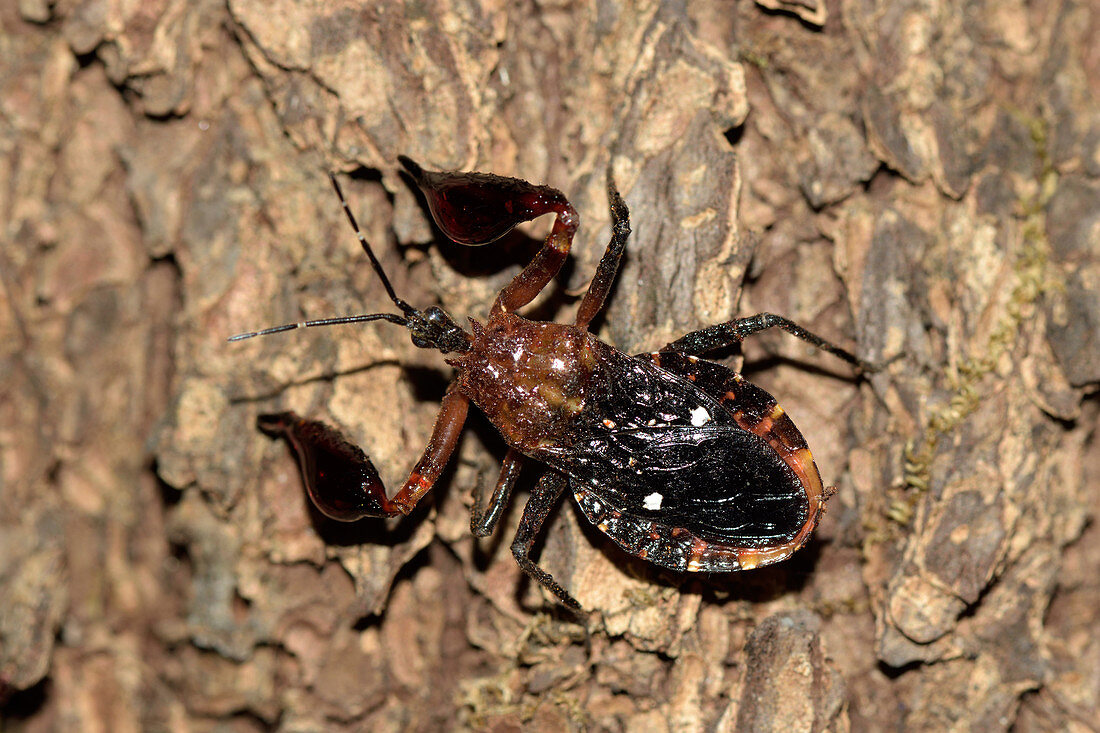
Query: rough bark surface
{"points": [[918, 180]]}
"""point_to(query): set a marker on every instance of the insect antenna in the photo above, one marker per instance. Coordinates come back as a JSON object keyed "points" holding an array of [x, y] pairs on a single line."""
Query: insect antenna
{"points": [[405, 308], [322, 322]]}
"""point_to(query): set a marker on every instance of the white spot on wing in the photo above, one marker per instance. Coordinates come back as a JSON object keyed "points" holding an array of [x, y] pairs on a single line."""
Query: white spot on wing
{"points": [[700, 416], [557, 364], [653, 501]]}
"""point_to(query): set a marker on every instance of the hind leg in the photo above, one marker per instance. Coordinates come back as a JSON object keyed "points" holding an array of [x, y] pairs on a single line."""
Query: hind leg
{"points": [[724, 335], [542, 500]]}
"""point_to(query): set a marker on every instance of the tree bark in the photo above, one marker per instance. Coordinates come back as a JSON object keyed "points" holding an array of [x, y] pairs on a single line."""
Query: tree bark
{"points": [[918, 182]]}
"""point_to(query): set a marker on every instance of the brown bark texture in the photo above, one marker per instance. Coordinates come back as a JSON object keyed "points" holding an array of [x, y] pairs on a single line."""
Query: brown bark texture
{"points": [[917, 181]]}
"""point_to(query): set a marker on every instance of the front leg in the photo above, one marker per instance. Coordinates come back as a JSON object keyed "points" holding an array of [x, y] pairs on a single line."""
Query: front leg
{"points": [[478, 208], [341, 480]]}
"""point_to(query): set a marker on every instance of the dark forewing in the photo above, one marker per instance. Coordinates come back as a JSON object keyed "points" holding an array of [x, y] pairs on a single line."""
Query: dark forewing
{"points": [[719, 482], [655, 447], [753, 409]]}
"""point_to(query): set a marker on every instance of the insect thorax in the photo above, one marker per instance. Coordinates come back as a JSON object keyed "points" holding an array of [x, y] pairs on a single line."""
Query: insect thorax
{"points": [[530, 379]]}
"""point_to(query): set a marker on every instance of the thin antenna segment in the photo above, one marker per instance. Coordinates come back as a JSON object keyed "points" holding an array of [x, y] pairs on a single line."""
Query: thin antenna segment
{"points": [[405, 307], [322, 322]]}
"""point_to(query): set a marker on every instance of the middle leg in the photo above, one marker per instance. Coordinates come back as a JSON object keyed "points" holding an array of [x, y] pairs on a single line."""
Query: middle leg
{"points": [[609, 264], [484, 517]]}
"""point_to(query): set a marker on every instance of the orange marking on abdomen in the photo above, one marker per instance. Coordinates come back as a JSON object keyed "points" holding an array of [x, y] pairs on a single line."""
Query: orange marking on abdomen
{"points": [[697, 554], [778, 431], [802, 463]]}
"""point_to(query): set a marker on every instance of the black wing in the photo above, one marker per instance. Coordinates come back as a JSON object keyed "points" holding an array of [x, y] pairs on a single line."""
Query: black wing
{"points": [[719, 482], [653, 445]]}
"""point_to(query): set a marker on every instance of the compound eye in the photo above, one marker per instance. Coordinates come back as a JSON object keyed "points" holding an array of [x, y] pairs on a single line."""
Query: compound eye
{"points": [[435, 314]]}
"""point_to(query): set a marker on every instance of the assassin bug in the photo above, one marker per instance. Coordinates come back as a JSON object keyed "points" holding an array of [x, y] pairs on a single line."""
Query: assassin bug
{"points": [[680, 461]]}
